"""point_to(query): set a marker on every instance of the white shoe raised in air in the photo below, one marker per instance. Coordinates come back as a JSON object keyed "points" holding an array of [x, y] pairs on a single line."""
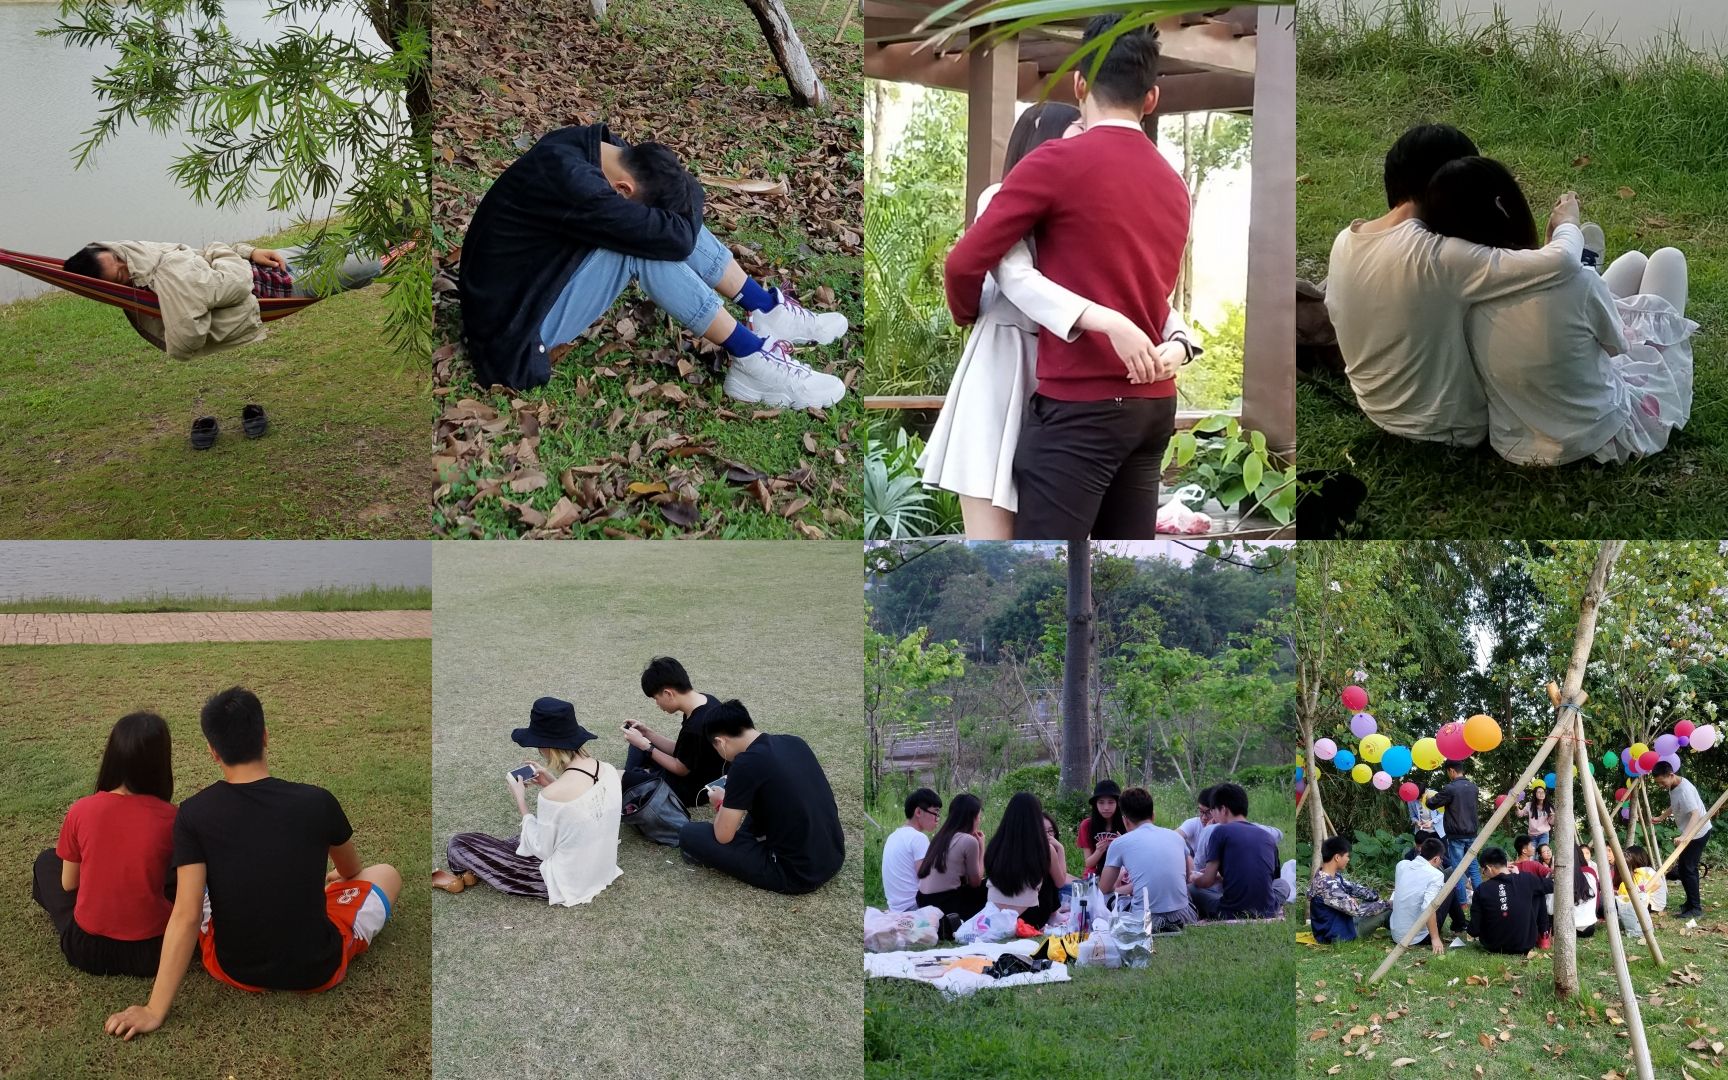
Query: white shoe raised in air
{"points": [[771, 377], [1595, 244], [796, 323]]}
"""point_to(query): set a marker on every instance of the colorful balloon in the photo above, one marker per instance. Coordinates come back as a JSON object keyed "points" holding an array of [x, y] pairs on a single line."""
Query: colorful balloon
{"points": [[1498, 799], [1361, 773], [1610, 760], [1551, 781], [1673, 761], [1450, 740], [1683, 728], [1344, 759], [1665, 745], [1536, 783], [1426, 754], [1620, 795], [1373, 746], [1638, 750], [1324, 749], [1625, 813], [1647, 760], [1683, 740], [1363, 725], [1481, 733], [1396, 760], [1355, 698], [1703, 737], [1382, 781], [1407, 791]]}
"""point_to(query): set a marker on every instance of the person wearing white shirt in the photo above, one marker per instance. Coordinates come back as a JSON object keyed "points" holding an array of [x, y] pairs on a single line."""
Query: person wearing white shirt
{"points": [[1416, 882], [905, 848]]}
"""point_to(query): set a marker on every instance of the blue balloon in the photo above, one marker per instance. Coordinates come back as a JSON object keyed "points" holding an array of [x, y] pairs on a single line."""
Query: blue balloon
{"points": [[1552, 781], [1344, 760], [1396, 761], [1298, 772]]}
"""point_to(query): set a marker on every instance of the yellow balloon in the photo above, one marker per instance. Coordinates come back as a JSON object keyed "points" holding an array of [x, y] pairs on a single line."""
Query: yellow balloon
{"points": [[1481, 733], [1638, 750], [1361, 773], [1426, 754], [1538, 782], [1373, 746]]}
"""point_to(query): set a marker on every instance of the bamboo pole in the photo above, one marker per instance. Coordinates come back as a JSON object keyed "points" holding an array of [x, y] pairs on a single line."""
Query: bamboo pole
{"points": [[1598, 807], [1617, 947], [1650, 825], [1686, 837], [1632, 801]]}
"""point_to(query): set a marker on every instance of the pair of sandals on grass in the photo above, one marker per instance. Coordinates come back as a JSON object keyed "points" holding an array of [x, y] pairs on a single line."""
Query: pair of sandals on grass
{"points": [[253, 424]]}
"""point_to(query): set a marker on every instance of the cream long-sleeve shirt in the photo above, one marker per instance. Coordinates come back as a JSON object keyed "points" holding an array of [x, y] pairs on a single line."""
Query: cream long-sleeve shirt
{"points": [[205, 294]]}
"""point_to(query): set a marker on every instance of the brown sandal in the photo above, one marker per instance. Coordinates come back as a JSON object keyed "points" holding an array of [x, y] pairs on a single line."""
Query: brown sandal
{"points": [[469, 879], [450, 883]]}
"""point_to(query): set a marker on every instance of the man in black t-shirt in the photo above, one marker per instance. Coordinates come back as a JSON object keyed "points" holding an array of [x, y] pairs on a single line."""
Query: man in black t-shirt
{"points": [[1503, 918], [251, 892], [776, 825], [688, 763]]}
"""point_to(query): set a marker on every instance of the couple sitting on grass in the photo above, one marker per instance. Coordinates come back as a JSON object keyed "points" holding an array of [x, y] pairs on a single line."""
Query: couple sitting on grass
{"points": [[248, 854], [1140, 867], [776, 825], [1457, 323]]}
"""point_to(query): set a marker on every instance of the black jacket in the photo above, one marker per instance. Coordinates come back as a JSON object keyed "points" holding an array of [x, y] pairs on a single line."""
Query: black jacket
{"points": [[539, 220], [1503, 912], [1459, 798]]}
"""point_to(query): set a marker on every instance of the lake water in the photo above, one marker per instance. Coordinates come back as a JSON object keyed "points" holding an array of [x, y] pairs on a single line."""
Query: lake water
{"points": [[49, 207], [1702, 23], [115, 570]]}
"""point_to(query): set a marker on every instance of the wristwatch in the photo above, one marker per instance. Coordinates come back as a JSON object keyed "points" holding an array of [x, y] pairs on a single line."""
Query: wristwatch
{"points": [[1188, 347]]}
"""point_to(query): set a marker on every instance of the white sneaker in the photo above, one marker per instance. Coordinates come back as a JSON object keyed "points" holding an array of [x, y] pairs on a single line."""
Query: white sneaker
{"points": [[1595, 244], [1458, 943], [796, 323], [771, 377]]}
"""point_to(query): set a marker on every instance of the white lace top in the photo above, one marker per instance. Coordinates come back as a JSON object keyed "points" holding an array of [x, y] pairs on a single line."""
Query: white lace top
{"points": [[576, 841]]}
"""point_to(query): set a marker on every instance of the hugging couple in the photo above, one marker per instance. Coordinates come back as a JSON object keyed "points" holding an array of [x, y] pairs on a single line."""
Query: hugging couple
{"points": [[1055, 423], [1456, 323]]}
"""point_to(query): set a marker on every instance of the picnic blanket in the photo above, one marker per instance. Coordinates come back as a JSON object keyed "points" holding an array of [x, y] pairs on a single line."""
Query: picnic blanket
{"points": [[931, 966]]}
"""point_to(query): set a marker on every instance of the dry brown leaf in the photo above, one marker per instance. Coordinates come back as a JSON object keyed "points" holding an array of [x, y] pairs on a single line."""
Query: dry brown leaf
{"points": [[748, 186], [564, 514], [626, 329], [1399, 1063], [523, 483], [1626, 193], [640, 488]]}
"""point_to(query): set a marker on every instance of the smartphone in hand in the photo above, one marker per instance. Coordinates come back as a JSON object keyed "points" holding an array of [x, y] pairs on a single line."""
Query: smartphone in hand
{"points": [[524, 773]]}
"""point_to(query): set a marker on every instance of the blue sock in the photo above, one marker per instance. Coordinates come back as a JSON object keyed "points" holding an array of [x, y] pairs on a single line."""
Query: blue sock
{"points": [[741, 342], [755, 298]]}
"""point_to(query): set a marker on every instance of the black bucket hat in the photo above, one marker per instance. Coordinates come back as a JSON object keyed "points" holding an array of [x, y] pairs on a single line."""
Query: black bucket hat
{"points": [[1106, 789], [552, 724]]}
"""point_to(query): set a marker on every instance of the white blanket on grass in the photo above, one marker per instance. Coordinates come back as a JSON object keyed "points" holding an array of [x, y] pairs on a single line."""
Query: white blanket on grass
{"points": [[958, 982]]}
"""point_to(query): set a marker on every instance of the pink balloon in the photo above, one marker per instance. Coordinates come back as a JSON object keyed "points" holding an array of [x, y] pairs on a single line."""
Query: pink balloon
{"points": [[1382, 781], [1362, 725], [1355, 698], [1683, 728], [1408, 791], [1703, 737], [1648, 760], [1665, 745], [1498, 799], [1324, 749], [1620, 796], [1450, 740]]}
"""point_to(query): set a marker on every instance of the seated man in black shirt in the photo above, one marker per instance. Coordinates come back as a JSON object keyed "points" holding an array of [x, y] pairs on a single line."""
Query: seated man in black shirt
{"points": [[689, 763], [776, 825], [250, 851], [1503, 917]]}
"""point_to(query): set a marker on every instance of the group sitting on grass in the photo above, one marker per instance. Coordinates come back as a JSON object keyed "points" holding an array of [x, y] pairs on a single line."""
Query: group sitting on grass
{"points": [[776, 825], [1219, 865], [248, 855]]}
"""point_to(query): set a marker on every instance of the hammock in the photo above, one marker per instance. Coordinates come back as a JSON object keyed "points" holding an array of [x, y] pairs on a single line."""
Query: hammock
{"points": [[137, 303]]}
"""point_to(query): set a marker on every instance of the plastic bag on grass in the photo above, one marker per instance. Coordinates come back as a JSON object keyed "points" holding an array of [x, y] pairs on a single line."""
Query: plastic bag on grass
{"points": [[891, 931], [991, 924]]}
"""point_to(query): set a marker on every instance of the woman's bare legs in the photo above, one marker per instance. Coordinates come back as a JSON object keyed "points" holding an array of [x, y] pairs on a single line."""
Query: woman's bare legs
{"points": [[985, 520]]}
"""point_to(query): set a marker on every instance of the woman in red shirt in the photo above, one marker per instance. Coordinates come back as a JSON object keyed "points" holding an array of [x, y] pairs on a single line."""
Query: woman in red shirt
{"points": [[104, 884]]}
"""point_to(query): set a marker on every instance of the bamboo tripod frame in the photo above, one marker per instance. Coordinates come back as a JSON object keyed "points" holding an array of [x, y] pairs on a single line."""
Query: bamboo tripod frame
{"points": [[1690, 833]]}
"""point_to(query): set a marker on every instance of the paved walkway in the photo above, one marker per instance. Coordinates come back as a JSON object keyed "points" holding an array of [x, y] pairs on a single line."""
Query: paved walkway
{"points": [[178, 626]]}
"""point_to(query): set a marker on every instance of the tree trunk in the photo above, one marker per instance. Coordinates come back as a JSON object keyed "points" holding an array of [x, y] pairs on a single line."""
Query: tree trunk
{"points": [[1076, 671], [782, 37]]}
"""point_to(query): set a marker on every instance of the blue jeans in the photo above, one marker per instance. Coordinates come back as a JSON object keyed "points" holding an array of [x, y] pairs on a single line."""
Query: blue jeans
{"points": [[1537, 840], [355, 272], [1456, 846], [683, 290]]}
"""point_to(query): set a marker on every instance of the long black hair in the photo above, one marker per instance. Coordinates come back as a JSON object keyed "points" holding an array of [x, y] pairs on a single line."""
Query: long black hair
{"points": [[1543, 792], [1018, 857], [1479, 200], [962, 818], [138, 755], [1038, 125], [1099, 825]]}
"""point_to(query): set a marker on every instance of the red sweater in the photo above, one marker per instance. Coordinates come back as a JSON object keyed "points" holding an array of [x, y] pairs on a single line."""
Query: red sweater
{"points": [[1108, 218]]}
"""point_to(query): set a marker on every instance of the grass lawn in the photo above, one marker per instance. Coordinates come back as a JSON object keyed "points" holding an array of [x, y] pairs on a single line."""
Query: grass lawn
{"points": [[633, 401], [1442, 1017], [95, 442], [369, 598], [348, 716], [671, 972], [1645, 145], [1213, 1003]]}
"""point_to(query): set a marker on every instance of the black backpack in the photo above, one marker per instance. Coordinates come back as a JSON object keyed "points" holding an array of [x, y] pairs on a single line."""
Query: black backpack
{"points": [[656, 811]]}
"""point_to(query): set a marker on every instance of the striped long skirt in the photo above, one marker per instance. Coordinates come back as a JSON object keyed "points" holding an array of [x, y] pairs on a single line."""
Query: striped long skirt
{"points": [[495, 862]]}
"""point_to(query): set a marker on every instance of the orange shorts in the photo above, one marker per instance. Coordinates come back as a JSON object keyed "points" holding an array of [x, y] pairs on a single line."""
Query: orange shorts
{"points": [[358, 908]]}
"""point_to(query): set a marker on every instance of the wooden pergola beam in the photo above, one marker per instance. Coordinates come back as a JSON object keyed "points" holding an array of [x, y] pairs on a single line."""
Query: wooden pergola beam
{"points": [[1178, 92], [992, 80], [1268, 347]]}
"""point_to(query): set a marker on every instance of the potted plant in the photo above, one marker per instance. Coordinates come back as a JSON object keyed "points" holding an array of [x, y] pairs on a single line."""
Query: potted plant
{"points": [[1234, 467]]}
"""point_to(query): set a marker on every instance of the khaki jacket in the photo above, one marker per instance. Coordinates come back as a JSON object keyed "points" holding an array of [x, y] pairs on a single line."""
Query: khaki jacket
{"points": [[206, 295]]}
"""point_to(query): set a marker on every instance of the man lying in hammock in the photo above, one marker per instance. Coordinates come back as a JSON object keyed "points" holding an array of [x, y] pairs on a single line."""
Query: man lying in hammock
{"points": [[209, 296], [581, 215]]}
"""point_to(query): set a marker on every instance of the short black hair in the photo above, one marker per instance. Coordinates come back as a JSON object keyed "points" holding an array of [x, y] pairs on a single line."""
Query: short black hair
{"points": [[1130, 66], [138, 755], [1334, 847], [1418, 155], [1206, 797], [1459, 765], [922, 799], [662, 181], [86, 263], [1432, 847], [1519, 843], [664, 673], [233, 723], [1662, 768], [1231, 797], [1494, 857], [1136, 804], [729, 718]]}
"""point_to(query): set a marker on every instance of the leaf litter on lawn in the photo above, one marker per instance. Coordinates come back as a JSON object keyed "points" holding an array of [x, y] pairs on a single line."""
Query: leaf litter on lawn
{"points": [[634, 437]]}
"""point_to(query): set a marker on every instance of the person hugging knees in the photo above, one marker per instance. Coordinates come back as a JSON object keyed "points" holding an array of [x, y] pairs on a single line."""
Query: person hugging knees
{"points": [[1339, 909], [250, 852], [776, 825]]}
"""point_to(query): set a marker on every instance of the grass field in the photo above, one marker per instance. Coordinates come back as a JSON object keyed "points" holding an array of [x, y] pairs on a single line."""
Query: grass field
{"points": [[348, 716], [369, 598], [1214, 1002], [95, 440], [671, 972], [632, 397], [1644, 142], [1508, 1022]]}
